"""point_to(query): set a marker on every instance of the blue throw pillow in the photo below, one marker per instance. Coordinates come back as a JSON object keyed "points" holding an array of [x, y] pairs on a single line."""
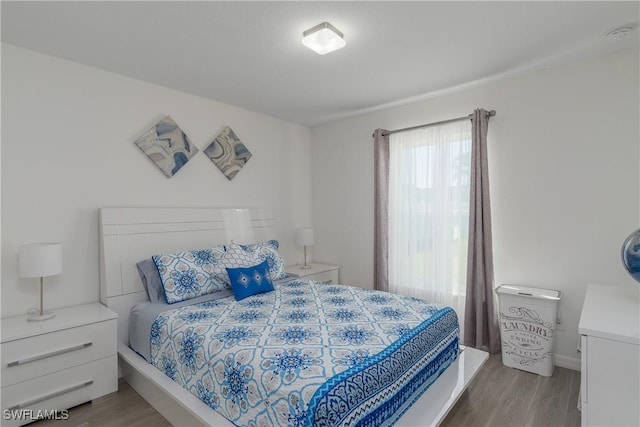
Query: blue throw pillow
{"points": [[247, 281]]}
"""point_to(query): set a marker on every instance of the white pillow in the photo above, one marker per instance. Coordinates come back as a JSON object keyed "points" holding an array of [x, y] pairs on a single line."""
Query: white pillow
{"points": [[268, 251], [234, 257]]}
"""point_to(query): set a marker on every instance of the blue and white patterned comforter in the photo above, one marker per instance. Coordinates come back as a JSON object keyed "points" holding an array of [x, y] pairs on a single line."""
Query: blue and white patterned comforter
{"points": [[307, 354]]}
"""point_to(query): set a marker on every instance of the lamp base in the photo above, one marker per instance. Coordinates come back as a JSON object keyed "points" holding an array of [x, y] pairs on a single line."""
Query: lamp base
{"points": [[40, 317], [304, 267]]}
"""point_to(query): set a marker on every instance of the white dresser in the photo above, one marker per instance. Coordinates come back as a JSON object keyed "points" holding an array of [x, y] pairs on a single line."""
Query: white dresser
{"points": [[610, 343], [58, 363], [319, 272]]}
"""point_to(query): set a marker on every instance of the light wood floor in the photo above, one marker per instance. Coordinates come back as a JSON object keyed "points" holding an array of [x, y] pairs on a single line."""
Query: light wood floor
{"points": [[125, 408], [498, 396]]}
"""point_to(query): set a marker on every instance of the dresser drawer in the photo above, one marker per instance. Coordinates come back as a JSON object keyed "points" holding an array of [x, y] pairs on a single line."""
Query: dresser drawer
{"points": [[39, 355], [326, 276], [60, 390]]}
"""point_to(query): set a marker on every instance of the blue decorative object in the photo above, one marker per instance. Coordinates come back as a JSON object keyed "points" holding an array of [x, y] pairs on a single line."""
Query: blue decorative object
{"points": [[631, 254], [247, 281], [228, 153], [167, 146]]}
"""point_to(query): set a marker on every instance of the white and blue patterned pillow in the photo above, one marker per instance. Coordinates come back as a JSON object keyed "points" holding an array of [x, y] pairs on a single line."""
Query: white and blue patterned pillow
{"points": [[190, 274], [268, 251], [234, 257], [247, 281]]}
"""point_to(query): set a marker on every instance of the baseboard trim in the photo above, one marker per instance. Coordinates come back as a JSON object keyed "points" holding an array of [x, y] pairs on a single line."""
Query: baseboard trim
{"points": [[572, 363]]}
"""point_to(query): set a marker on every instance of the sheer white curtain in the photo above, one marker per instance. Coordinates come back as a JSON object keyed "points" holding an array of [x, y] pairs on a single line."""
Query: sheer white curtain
{"points": [[429, 213]]}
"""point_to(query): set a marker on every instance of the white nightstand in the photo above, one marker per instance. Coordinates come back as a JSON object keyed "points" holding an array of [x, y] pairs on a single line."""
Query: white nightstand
{"points": [[319, 272], [57, 363]]}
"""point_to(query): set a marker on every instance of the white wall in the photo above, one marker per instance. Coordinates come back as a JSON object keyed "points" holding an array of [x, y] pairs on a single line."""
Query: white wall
{"points": [[68, 135], [564, 160]]}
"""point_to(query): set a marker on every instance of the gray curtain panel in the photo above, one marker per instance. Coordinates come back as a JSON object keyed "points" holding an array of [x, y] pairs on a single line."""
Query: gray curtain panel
{"points": [[381, 233], [481, 329]]}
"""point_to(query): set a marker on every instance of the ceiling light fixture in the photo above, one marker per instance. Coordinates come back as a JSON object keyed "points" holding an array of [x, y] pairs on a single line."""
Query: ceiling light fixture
{"points": [[323, 38]]}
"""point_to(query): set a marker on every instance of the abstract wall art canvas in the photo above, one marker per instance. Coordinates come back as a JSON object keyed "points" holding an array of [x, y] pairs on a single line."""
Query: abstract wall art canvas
{"points": [[167, 146], [228, 153]]}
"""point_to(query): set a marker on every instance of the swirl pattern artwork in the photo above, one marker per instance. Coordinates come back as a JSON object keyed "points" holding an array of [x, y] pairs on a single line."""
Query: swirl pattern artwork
{"points": [[228, 153], [167, 146], [324, 355]]}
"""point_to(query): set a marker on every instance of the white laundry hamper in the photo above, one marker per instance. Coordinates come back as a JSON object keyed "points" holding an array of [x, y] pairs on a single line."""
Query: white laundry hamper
{"points": [[528, 327]]}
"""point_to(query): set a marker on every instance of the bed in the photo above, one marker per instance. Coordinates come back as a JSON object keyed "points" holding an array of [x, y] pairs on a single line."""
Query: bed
{"points": [[386, 368]]}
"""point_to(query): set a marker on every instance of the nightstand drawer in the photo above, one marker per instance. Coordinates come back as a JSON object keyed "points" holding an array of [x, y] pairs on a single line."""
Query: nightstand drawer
{"points": [[38, 355], [59, 390], [327, 276]]}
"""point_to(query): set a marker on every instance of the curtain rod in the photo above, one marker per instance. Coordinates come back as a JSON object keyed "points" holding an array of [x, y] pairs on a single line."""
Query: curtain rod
{"points": [[491, 113]]}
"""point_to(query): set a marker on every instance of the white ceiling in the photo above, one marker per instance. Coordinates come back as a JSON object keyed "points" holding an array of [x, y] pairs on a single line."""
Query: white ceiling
{"points": [[250, 54]]}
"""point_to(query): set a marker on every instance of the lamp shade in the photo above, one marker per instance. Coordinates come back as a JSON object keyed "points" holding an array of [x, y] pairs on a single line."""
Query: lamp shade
{"points": [[40, 259], [304, 236]]}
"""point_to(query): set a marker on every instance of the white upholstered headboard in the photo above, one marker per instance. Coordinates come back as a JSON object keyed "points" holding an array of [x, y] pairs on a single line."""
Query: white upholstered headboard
{"points": [[129, 235]]}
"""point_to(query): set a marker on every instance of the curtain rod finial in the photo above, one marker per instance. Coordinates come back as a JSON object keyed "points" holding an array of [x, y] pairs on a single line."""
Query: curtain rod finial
{"points": [[492, 113]]}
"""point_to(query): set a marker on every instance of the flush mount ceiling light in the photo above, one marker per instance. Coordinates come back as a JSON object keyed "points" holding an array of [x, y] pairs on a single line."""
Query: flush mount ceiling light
{"points": [[323, 38]]}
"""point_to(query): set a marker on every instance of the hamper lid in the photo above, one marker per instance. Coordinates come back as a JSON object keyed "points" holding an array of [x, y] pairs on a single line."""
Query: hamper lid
{"points": [[522, 291]]}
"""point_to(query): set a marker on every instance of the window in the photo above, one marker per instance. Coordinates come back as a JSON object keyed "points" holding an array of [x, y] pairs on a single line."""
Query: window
{"points": [[429, 213]]}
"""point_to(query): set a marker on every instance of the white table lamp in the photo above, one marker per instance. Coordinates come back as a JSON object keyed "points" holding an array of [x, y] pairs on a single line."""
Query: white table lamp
{"points": [[304, 237], [41, 260]]}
